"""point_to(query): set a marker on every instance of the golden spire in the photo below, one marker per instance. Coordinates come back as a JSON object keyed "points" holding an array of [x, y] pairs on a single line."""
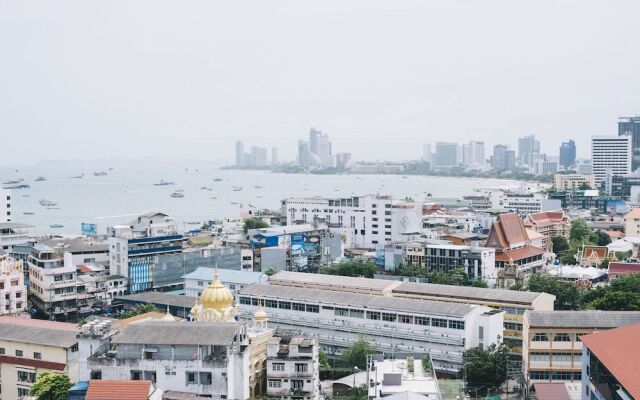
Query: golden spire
{"points": [[168, 316], [217, 296]]}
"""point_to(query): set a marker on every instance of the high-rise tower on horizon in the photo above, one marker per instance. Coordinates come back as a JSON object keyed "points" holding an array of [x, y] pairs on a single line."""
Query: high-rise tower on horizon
{"points": [[630, 126]]}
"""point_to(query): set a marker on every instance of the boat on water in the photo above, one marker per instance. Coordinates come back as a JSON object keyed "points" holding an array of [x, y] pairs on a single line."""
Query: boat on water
{"points": [[259, 197], [26, 195], [237, 188], [78, 176], [56, 226], [53, 208], [163, 183], [257, 187], [20, 186], [28, 213], [234, 202], [47, 203], [177, 195], [206, 188], [40, 179], [217, 180], [192, 223], [214, 198], [12, 182], [100, 173]]}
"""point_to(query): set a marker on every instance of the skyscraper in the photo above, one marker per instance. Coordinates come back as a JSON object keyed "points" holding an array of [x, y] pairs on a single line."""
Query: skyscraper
{"points": [[610, 156], [274, 156], [446, 155], [503, 158], [527, 145], [630, 126], [568, 153], [304, 159], [258, 156], [239, 153], [472, 153], [314, 140]]}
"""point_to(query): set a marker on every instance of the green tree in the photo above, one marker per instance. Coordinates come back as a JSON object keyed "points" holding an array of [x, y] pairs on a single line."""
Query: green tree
{"points": [[270, 272], [254, 223], [323, 358], [617, 301], [584, 186], [560, 244], [485, 370], [50, 386], [600, 238], [356, 354], [350, 268], [567, 294], [139, 309], [568, 259], [579, 230]]}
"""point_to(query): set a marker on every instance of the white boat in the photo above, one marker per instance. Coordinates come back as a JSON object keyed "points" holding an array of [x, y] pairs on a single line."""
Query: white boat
{"points": [[40, 179], [47, 203], [177, 195], [163, 183], [56, 226], [101, 173]]}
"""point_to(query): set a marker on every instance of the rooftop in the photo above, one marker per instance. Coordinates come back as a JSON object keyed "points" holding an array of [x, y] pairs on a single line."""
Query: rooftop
{"points": [[473, 294], [178, 333], [582, 319], [305, 279], [122, 390], [159, 298], [349, 299], [227, 275], [58, 334], [618, 350]]}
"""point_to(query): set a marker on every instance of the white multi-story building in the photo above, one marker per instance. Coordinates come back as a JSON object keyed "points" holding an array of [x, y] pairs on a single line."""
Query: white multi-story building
{"points": [[5, 205], [365, 221], [610, 156], [14, 233], [13, 292], [391, 324], [473, 154], [293, 370], [506, 200]]}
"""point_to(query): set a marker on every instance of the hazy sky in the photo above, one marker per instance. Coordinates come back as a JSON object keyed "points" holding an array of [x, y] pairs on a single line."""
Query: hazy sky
{"points": [[185, 79]]}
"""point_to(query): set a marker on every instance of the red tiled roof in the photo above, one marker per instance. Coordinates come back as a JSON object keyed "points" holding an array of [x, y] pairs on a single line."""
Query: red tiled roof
{"points": [[519, 254], [633, 214], [601, 251], [618, 268], [507, 231], [29, 362], [118, 390], [40, 323], [84, 269], [618, 350], [551, 391], [548, 216], [615, 234]]}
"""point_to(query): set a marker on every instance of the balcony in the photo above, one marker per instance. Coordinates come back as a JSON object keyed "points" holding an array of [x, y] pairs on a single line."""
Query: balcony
{"points": [[65, 283], [155, 250]]}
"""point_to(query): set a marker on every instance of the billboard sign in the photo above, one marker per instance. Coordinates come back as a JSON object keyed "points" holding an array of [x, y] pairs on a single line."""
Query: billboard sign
{"points": [[89, 229], [297, 243]]}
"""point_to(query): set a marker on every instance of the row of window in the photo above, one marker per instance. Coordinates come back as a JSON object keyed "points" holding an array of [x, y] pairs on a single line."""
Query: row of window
{"points": [[20, 353], [295, 383], [555, 356], [299, 367], [556, 376], [355, 313], [558, 337]]}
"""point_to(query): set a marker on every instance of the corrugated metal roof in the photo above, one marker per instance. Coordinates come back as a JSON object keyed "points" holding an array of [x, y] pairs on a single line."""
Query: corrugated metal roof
{"points": [[159, 298], [582, 319], [347, 299], [40, 332], [178, 333], [473, 294], [226, 275], [332, 280]]}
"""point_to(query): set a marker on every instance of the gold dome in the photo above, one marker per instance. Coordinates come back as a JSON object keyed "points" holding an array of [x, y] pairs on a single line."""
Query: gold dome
{"points": [[216, 296], [194, 310]]}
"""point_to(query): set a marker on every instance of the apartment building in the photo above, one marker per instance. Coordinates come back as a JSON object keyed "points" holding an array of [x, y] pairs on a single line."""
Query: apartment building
{"points": [[14, 233], [5, 205], [13, 292], [610, 364], [513, 303], [134, 249], [552, 346], [611, 156], [571, 182], [365, 221], [391, 324], [549, 224], [632, 222], [293, 370], [507, 201], [29, 347]]}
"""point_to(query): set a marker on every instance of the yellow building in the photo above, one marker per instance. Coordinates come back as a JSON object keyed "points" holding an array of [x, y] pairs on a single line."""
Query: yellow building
{"points": [[564, 182], [29, 347], [552, 350], [632, 222]]}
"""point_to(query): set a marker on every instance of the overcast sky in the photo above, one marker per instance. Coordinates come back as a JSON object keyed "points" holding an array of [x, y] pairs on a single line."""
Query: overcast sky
{"points": [[185, 79]]}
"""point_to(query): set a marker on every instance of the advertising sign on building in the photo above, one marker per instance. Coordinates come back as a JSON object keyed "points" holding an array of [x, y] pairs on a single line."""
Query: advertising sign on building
{"points": [[89, 229], [297, 243]]}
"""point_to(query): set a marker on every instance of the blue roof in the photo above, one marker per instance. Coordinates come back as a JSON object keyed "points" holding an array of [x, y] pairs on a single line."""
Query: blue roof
{"points": [[227, 275], [80, 386]]}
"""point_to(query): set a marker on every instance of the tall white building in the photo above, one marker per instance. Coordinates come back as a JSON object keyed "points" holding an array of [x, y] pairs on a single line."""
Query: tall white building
{"points": [[473, 154], [5, 205], [239, 153], [365, 221], [610, 156], [427, 154]]}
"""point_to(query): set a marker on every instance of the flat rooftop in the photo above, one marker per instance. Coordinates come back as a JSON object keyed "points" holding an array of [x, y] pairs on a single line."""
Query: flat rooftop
{"points": [[582, 319], [349, 299], [289, 278]]}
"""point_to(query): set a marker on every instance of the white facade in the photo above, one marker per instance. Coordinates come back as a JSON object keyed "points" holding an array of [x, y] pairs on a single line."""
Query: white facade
{"points": [[473, 154], [14, 233], [611, 156], [293, 370], [5, 205], [53, 281], [365, 221], [196, 281], [13, 292], [390, 324]]}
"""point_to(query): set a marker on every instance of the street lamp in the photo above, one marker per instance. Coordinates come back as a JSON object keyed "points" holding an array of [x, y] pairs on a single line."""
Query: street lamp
{"points": [[355, 371]]}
